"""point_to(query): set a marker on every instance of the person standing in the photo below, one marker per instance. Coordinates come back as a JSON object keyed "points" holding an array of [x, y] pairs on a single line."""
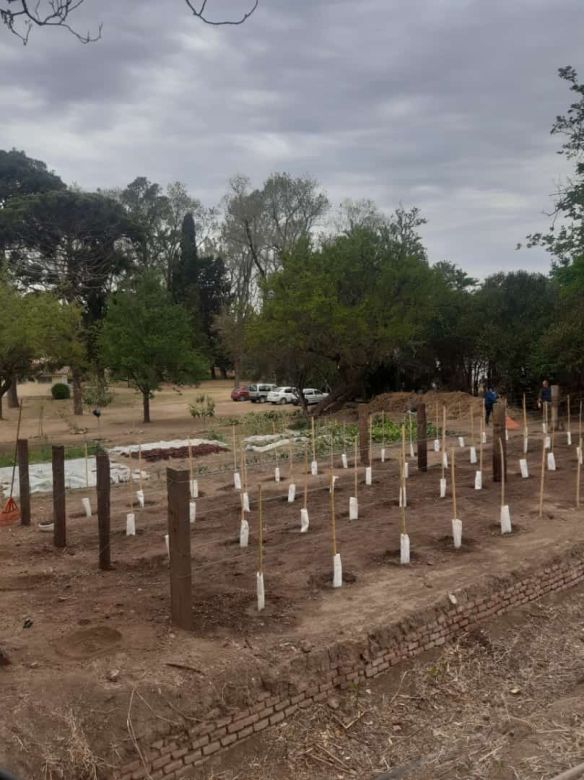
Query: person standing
{"points": [[490, 399], [545, 394]]}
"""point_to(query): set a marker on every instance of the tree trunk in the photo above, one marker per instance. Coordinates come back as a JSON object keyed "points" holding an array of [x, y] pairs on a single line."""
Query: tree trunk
{"points": [[213, 374], [13, 394], [77, 394], [146, 402]]}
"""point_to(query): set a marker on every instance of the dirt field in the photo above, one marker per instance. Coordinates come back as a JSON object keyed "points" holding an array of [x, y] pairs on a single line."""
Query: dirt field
{"points": [[88, 646], [121, 422]]}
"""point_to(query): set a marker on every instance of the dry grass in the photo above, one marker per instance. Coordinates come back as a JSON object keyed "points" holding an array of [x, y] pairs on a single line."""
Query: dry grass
{"points": [[500, 704]]}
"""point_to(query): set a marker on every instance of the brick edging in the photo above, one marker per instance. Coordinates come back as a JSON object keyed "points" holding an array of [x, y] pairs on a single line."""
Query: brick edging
{"points": [[347, 662]]}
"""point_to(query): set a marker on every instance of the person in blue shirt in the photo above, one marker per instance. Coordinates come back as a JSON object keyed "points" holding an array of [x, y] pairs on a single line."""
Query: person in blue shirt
{"points": [[545, 394], [490, 400]]}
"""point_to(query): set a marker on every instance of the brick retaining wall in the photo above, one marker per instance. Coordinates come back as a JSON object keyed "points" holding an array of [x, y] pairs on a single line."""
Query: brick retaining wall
{"points": [[312, 676]]}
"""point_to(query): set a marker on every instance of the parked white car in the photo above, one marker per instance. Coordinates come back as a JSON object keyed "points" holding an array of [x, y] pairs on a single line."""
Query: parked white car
{"points": [[312, 395], [282, 395]]}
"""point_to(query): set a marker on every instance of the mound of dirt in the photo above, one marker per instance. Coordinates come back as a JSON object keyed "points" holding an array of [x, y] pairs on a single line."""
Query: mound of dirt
{"points": [[457, 403]]}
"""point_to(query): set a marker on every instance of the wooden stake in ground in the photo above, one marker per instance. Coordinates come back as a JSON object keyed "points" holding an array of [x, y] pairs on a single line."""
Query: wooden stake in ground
{"points": [[130, 516], [444, 452], [383, 436], [337, 566], [23, 480], [103, 509], [411, 427], [404, 539], [437, 429], [313, 465], [179, 549], [479, 473], [59, 511], [304, 520], [260, 571], [473, 449], [354, 499], [505, 516], [499, 435], [403, 451], [525, 427], [456, 522], [140, 491], [86, 466], [370, 439], [578, 470], [569, 431], [421, 426], [542, 478]]}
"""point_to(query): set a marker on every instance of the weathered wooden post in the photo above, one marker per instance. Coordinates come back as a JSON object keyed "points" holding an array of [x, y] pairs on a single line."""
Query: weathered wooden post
{"points": [[421, 435], [499, 450], [364, 434], [23, 480], [179, 549], [555, 406], [59, 509], [103, 509]]}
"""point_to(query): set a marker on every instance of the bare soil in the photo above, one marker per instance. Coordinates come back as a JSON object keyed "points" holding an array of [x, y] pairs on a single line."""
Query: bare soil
{"points": [[94, 658]]}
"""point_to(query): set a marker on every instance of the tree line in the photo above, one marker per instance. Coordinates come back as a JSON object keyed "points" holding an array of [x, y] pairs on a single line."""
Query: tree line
{"points": [[147, 284]]}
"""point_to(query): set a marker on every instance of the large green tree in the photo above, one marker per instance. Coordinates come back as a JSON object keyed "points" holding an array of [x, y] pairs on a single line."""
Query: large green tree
{"points": [[36, 330], [344, 309], [74, 244], [146, 338]]}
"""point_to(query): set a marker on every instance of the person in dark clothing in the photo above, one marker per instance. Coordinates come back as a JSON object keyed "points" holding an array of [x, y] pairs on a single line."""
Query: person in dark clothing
{"points": [[490, 399], [545, 394]]}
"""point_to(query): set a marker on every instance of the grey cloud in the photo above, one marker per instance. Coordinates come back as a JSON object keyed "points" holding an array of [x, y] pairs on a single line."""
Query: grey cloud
{"points": [[444, 104]]}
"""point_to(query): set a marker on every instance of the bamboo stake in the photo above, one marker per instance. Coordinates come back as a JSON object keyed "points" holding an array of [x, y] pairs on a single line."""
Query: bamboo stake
{"points": [[140, 464], [403, 442], [333, 518], [455, 515], [355, 468], [234, 449], [482, 424], [411, 426], [383, 429], [261, 532], [472, 436], [370, 439], [402, 487], [306, 475], [131, 488], [190, 464], [313, 440], [86, 466], [443, 438], [542, 478], [578, 470], [290, 459], [569, 419], [502, 472]]}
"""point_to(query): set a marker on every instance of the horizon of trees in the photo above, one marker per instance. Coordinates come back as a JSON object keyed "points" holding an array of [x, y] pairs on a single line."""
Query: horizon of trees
{"points": [[275, 282]]}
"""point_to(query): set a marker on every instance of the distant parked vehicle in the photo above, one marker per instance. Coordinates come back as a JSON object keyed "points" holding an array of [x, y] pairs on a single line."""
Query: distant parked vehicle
{"points": [[258, 393], [282, 395], [312, 396], [240, 393]]}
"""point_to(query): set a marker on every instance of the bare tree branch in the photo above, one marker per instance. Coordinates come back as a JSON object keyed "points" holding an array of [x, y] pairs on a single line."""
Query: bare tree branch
{"points": [[21, 16], [200, 14]]}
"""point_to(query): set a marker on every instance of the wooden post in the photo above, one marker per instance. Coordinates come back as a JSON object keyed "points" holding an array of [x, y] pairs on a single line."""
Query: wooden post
{"points": [[422, 443], [103, 509], [23, 480], [499, 452], [555, 406], [179, 547], [364, 435], [59, 521]]}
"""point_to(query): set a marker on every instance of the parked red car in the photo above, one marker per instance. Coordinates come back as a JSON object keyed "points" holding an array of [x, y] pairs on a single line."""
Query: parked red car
{"points": [[240, 393]]}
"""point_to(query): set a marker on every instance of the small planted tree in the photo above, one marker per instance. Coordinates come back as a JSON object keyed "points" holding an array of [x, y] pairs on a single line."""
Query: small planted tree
{"points": [[147, 339]]}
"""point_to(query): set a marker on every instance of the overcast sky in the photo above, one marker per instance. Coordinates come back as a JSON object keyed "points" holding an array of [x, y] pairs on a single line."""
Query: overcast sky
{"points": [[441, 104]]}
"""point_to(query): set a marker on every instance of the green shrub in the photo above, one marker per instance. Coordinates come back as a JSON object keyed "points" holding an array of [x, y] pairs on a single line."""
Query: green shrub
{"points": [[60, 391], [204, 406]]}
